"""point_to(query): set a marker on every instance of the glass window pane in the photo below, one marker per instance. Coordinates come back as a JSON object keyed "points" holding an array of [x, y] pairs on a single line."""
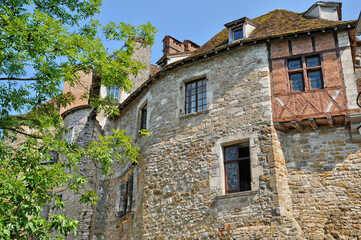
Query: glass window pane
{"points": [[297, 82], [232, 176], [188, 107], [294, 64], [195, 96], [114, 91], [238, 34], [313, 62], [231, 153], [315, 79]]}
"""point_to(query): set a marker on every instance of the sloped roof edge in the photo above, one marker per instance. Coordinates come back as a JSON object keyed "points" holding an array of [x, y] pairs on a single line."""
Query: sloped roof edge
{"points": [[197, 56]]}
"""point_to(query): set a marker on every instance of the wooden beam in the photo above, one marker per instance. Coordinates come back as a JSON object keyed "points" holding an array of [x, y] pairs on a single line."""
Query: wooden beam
{"points": [[330, 121], [297, 125], [313, 123], [281, 127], [347, 119]]}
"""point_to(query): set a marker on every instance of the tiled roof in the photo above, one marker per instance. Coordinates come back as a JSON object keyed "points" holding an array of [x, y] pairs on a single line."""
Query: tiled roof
{"points": [[273, 24], [153, 70]]}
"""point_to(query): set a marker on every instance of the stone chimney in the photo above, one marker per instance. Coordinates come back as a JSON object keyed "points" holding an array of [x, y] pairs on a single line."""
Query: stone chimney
{"points": [[142, 54]]}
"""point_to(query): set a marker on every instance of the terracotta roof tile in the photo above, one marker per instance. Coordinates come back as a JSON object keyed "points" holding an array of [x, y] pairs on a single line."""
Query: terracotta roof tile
{"points": [[278, 22]]}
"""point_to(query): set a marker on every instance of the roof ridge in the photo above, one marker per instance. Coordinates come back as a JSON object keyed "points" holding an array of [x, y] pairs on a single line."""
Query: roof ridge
{"points": [[269, 14]]}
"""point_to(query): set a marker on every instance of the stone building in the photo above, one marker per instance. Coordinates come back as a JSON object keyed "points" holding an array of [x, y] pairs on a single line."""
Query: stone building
{"points": [[256, 131]]}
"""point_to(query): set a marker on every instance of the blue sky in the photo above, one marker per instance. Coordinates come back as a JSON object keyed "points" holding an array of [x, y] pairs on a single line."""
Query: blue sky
{"points": [[199, 20]]}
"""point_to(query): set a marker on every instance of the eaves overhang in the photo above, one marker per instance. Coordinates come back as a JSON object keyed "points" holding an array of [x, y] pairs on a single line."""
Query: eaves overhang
{"points": [[225, 48]]}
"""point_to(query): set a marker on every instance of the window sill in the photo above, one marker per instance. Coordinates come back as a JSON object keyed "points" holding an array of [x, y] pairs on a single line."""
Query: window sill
{"points": [[235, 195], [194, 114]]}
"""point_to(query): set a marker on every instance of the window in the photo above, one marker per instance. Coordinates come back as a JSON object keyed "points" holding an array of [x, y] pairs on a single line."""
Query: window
{"points": [[237, 168], [126, 196], [309, 67], [69, 135], [196, 96], [114, 91], [143, 117], [238, 33]]}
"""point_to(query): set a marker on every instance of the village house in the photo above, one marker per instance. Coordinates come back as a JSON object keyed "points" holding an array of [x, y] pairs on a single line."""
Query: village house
{"points": [[256, 131]]}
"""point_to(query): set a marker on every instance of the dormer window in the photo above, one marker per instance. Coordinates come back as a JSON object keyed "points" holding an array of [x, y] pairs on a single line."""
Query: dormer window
{"points": [[238, 33], [241, 28]]}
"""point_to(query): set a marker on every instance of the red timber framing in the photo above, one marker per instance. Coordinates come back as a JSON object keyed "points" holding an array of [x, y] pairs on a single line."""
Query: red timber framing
{"points": [[303, 108]]}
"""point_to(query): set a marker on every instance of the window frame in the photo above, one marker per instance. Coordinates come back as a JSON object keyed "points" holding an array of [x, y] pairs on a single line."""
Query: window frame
{"points": [[143, 116], [237, 29], [126, 195], [304, 70], [238, 160], [204, 99], [111, 91]]}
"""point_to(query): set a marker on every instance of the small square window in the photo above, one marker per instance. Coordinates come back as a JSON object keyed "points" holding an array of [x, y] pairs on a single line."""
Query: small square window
{"points": [[294, 64], [237, 34], [196, 96], [114, 91], [237, 168], [313, 61]]}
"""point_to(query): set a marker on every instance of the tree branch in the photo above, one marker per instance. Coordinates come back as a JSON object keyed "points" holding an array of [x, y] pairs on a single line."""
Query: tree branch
{"points": [[20, 132], [19, 79]]}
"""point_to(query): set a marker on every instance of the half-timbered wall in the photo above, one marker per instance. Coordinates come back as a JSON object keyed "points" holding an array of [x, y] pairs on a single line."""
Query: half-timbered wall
{"points": [[309, 103]]}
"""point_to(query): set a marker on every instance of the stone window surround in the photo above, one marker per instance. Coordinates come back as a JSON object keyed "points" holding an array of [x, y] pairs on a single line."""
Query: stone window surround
{"points": [[129, 169], [218, 176], [181, 100], [196, 89], [142, 103]]}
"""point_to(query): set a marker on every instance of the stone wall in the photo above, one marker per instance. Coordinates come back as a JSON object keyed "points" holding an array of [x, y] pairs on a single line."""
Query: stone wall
{"points": [[324, 177], [181, 175], [85, 129]]}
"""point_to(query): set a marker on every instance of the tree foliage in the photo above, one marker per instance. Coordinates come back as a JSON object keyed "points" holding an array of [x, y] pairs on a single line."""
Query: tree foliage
{"points": [[42, 45]]}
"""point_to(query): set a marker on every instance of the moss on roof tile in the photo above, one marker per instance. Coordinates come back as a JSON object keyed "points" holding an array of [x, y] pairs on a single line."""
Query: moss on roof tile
{"points": [[278, 22]]}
